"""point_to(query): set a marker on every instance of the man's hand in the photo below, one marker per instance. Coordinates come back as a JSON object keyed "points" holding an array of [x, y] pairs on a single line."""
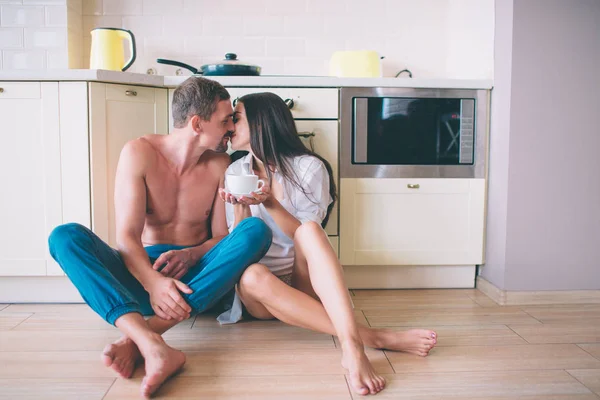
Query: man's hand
{"points": [[177, 263], [166, 300]]}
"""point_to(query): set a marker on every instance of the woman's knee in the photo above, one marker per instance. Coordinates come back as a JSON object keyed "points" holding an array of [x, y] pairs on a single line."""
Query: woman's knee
{"points": [[254, 278], [308, 229]]}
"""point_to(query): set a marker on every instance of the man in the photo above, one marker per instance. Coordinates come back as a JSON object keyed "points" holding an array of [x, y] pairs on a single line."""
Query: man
{"points": [[174, 256]]}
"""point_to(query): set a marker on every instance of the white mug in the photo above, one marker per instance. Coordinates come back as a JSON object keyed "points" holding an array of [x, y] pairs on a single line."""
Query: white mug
{"points": [[244, 184]]}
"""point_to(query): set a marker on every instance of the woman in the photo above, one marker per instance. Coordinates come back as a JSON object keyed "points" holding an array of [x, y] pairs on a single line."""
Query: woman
{"points": [[300, 280]]}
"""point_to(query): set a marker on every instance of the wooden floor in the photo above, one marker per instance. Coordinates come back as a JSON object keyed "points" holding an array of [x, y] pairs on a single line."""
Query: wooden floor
{"points": [[484, 352]]}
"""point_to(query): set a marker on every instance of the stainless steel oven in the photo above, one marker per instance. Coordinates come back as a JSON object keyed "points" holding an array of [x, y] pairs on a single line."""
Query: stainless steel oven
{"points": [[413, 133]]}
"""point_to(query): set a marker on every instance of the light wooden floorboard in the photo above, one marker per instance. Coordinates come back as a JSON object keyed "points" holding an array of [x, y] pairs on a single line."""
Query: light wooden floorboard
{"points": [[445, 316], [495, 358], [589, 377], [9, 320], [484, 352], [222, 388], [585, 332], [55, 389], [498, 385], [593, 349]]}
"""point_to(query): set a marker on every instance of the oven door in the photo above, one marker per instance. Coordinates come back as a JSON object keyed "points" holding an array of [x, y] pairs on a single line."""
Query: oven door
{"points": [[416, 133]]}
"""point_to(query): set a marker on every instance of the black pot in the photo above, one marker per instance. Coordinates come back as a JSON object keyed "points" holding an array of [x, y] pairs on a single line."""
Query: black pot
{"points": [[229, 66]]}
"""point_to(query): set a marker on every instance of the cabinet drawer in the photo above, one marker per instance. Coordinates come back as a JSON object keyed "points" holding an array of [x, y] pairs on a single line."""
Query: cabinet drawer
{"points": [[130, 93], [414, 186], [20, 90], [308, 103]]}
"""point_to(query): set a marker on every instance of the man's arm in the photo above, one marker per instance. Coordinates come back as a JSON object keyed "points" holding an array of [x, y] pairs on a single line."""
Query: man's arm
{"points": [[130, 212], [218, 221]]}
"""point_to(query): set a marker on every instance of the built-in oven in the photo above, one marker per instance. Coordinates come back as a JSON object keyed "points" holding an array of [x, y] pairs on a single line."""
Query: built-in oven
{"points": [[413, 133]]}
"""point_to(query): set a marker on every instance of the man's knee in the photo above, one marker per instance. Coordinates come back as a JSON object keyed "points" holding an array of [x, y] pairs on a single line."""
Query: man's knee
{"points": [[64, 236], [257, 231]]}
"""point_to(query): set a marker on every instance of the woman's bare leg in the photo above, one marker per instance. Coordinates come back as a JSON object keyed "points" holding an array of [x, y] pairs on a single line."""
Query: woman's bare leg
{"points": [[161, 360], [415, 341]]}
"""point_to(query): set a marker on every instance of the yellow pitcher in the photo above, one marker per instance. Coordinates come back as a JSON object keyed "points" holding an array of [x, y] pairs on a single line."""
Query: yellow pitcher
{"points": [[108, 51]]}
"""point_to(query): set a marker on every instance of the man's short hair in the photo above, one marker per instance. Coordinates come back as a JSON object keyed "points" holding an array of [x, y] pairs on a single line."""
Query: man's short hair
{"points": [[196, 96]]}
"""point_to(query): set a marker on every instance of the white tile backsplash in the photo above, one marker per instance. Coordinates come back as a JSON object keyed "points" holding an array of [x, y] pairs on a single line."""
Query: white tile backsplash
{"points": [[222, 26], [45, 2], [23, 59], [122, 7], [57, 59], [187, 25], [11, 38], [262, 26], [56, 16], [286, 46], [13, 16], [143, 26], [45, 38], [162, 7], [282, 36]]}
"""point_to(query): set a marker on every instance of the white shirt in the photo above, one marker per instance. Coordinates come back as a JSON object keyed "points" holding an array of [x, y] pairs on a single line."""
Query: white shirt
{"points": [[312, 206]]}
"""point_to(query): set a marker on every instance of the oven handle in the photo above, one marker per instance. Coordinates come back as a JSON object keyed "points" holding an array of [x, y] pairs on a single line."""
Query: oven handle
{"points": [[361, 122]]}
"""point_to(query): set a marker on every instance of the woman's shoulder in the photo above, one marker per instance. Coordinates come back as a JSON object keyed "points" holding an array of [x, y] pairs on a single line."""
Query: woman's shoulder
{"points": [[308, 163]]}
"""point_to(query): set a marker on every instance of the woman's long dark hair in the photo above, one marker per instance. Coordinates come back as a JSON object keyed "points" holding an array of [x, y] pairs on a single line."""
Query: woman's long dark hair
{"points": [[274, 140]]}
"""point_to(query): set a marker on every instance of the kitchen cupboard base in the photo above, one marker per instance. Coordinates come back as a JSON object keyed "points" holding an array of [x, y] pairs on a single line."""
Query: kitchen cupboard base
{"points": [[540, 297], [38, 289], [410, 277]]}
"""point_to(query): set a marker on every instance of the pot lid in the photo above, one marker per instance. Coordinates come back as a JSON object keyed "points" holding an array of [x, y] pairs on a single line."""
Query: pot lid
{"points": [[230, 59]]}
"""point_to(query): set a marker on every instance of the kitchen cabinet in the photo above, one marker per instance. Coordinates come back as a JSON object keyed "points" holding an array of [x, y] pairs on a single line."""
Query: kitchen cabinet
{"points": [[30, 172], [412, 221], [61, 144], [118, 114]]}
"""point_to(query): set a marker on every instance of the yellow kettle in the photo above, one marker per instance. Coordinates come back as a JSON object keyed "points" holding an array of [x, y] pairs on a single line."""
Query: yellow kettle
{"points": [[108, 51]]}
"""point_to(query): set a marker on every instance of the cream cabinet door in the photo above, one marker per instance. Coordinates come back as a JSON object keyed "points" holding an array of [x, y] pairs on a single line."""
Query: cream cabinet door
{"points": [[325, 143], [412, 221], [30, 173], [118, 113]]}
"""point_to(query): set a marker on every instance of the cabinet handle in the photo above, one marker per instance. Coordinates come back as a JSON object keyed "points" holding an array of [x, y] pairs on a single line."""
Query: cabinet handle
{"points": [[1, 90], [289, 103], [306, 135], [413, 186], [131, 93]]}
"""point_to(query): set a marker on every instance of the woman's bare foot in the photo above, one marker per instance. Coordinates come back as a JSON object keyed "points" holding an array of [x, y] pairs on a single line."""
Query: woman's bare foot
{"points": [[363, 378], [162, 362], [121, 356], [414, 341]]}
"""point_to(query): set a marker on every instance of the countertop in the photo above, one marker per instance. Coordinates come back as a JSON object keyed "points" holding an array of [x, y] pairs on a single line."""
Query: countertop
{"points": [[129, 78]]}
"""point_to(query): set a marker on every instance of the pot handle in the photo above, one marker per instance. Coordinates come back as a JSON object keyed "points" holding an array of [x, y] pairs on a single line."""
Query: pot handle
{"points": [[178, 64]]}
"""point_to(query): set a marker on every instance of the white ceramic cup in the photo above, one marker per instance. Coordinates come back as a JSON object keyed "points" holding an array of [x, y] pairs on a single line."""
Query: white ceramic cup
{"points": [[244, 184]]}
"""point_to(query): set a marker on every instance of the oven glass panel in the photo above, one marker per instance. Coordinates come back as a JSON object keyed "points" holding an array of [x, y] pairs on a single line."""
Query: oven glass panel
{"points": [[413, 131]]}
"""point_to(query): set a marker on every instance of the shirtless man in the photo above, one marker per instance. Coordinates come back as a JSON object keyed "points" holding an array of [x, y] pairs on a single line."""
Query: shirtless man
{"points": [[174, 256]]}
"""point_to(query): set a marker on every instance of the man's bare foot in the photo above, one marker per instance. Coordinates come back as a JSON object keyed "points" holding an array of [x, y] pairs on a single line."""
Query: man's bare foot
{"points": [[414, 341], [363, 378], [162, 362], [121, 356]]}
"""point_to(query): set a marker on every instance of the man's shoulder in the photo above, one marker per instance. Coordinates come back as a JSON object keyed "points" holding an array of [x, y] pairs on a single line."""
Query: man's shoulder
{"points": [[219, 161], [139, 151]]}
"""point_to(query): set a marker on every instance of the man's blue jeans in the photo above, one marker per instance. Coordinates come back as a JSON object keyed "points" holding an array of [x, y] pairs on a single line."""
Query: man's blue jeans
{"points": [[107, 286]]}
